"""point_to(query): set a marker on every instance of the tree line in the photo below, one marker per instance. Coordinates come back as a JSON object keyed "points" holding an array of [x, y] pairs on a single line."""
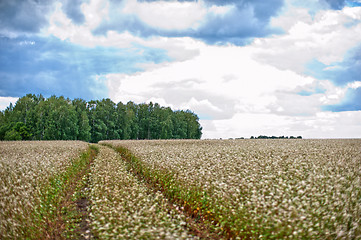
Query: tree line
{"points": [[34, 117], [274, 137]]}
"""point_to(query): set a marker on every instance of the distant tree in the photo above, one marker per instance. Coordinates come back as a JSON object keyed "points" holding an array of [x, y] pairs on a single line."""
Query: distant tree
{"points": [[274, 137], [80, 107], [122, 121], [107, 113], [42, 111], [167, 126], [132, 118], [96, 119], [262, 137], [61, 121], [4, 125], [179, 125], [143, 121]]}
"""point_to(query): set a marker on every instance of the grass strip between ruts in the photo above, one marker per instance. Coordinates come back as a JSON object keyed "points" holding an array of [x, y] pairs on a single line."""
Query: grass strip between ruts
{"points": [[194, 201], [56, 215]]}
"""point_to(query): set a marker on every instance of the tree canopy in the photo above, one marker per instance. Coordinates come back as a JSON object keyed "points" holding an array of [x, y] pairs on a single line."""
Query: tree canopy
{"points": [[57, 118]]}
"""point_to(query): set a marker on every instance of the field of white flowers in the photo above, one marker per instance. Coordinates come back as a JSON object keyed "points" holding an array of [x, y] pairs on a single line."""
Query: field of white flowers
{"points": [[24, 169], [257, 189], [124, 208], [293, 189]]}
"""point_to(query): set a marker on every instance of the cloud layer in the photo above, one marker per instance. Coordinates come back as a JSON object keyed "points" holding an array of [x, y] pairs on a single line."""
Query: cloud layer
{"points": [[218, 22], [277, 67], [49, 66]]}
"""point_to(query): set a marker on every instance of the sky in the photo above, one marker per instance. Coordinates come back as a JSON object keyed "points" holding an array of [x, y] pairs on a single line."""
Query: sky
{"points": [[245, 67]]}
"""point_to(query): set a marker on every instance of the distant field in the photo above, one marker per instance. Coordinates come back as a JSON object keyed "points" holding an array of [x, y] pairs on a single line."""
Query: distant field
{"points": [[181, 189], [300, 189]]}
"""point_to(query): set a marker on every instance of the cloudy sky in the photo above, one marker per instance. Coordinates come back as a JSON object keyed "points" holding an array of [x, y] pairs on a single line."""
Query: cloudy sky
{"points": [[245, 67]]}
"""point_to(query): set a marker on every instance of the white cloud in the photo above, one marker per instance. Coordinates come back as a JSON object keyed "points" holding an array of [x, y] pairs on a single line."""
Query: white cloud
{"points": [[292, 104], [95, 12], [24, 43], [308, 99], [5, 102], [204, 108], [221, 10], [173, 15], [60, 26], [354, 85], [167, 15], [291, 17], [219, 82], [326, 38]]}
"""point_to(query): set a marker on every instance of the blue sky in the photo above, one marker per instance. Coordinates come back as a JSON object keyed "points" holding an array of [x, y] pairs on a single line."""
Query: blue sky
{"points": [[246, 67]]}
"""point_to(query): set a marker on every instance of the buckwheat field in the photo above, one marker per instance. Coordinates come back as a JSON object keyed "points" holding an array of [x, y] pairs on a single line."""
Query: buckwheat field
{"points": [[25, 167], [181, 189], [124, 208], [297, 189]]}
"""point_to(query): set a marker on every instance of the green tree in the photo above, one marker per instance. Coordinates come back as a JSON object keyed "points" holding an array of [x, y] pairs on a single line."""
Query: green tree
{"points": [[124, 121], [80, 107], [4, 126], [12, 135], [103, 118], [61, 122], [19, 131], [132, 118], [167, 128], [143, 121], [57, 118], [42, 112]]}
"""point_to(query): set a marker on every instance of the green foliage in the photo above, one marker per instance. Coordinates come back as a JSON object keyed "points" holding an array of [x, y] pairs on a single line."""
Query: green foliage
{"points": [[17, 132], [12, 135], [56, 208], [57, 118]]}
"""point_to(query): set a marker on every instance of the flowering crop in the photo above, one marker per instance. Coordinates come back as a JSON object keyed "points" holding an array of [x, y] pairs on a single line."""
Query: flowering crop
{"points": [[298, 189], [122, 206], [25, 168]]}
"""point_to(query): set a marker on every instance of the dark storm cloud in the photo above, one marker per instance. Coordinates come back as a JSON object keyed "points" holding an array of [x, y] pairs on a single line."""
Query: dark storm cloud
{"points": [[247, 20], [23, 16], [29, 16]]}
